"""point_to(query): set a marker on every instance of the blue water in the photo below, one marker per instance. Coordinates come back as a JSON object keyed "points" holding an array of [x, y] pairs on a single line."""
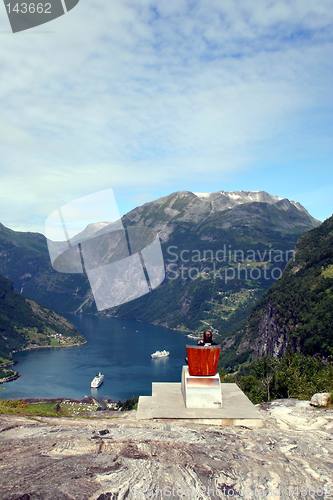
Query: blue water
{"points": [[119, 349]]}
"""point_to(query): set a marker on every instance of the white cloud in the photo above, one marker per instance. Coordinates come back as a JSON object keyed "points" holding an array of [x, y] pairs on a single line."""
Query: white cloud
{"points": [[138, 93]]}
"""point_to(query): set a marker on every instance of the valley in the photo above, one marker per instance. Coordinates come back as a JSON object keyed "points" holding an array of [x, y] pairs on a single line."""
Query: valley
{"points": [[223, 254], [166, 250]]}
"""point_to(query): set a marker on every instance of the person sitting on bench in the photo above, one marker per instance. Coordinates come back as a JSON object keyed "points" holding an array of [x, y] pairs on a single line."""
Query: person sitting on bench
{"points": [[207, 339]]}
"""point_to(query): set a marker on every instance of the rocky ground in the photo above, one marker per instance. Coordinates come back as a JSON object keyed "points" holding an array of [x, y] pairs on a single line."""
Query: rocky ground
{"points": [[59, 458]]}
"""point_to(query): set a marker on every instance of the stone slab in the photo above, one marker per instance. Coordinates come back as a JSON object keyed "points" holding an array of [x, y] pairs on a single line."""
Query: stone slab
{"points": [[201, 392], [167, 402]]}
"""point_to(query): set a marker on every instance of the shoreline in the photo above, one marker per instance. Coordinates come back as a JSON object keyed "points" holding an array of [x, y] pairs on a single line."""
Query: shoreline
{"points": [[17, 374], [11, 378], [32, 347], [149, 323]]}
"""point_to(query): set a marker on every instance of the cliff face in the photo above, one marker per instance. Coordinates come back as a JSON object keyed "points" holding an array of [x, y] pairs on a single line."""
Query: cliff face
{"points": [[297, 313], [273, 334]]}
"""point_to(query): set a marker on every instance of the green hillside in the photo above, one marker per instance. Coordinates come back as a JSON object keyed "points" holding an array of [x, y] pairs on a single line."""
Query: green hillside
{"points": [[25, 324], [296, 315], [25, 261], [210, 297]]}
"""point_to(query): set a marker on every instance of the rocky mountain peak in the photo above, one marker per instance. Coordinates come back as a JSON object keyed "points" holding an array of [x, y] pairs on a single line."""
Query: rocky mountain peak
{"points": [[229, 199], [195, 207]]}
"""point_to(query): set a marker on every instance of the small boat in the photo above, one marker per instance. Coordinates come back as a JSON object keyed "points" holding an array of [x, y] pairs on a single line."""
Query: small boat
{"points": [[191, 336], [160, 354], [97, 381]]}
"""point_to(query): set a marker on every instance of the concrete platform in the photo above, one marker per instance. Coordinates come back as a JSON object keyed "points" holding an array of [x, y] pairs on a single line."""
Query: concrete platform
{"points": [[167, 402], [201, 392]]}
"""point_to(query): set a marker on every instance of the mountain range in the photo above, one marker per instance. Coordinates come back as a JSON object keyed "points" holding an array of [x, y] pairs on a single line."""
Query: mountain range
{"points": [[250, 230], [210, 224]]}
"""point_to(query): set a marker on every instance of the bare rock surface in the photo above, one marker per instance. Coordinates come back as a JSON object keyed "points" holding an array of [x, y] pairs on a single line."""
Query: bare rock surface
{"points": [[58, 458]]}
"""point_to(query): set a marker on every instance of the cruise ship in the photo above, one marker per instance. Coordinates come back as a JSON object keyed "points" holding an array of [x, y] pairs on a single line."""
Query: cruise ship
{"points": [[97, 381], [160, 354]]}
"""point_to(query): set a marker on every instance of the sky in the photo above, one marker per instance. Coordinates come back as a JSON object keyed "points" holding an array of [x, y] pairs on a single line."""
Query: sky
{"points": [[151, 97]]}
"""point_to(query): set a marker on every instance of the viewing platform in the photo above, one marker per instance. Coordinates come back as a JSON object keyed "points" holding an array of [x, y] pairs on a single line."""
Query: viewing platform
{"points": [[200, 397], [167, 402]]}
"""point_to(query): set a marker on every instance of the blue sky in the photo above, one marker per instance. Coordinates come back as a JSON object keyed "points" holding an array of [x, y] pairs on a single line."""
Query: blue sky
{"points": [[150, 97]]}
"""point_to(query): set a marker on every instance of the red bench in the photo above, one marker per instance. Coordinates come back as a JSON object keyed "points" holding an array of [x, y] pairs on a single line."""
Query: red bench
{"points": [[203, 360]]}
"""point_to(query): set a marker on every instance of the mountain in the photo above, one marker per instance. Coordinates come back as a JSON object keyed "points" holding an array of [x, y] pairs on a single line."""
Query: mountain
{"points": [[23, 323], [297, 313], [90, 231], [188, 207], [213, 245], [25, 261], [201, 227]]}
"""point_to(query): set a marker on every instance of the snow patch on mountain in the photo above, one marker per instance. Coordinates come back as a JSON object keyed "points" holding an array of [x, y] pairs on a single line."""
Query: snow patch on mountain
{"points": [[229, 199], [202, 195]]}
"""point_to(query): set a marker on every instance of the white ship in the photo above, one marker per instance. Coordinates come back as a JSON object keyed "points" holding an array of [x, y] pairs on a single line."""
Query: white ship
{"points": [[160, 354], [191, 336], [97, 381]]}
